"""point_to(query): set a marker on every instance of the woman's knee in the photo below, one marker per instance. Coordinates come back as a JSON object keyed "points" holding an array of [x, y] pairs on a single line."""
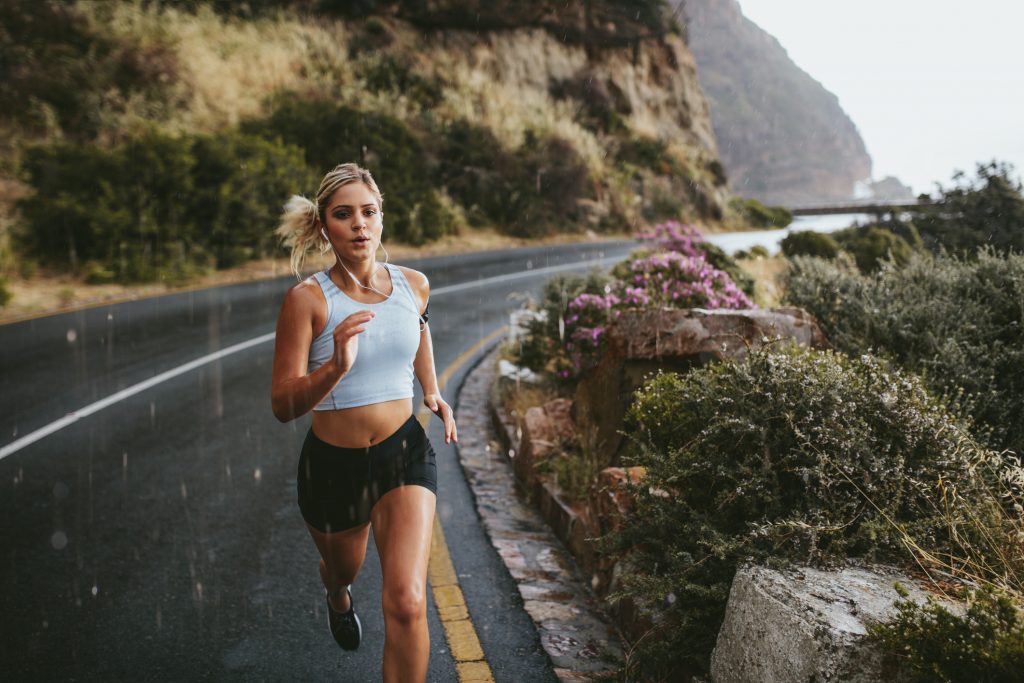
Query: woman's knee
{"points": [[404, 603]]}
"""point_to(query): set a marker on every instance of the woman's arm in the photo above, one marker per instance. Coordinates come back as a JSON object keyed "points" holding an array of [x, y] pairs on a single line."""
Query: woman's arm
{"points": [[293, 392], [424, 362]]}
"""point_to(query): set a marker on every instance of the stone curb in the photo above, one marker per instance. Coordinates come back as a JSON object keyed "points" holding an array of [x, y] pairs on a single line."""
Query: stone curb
{"points": [[577, 636]]}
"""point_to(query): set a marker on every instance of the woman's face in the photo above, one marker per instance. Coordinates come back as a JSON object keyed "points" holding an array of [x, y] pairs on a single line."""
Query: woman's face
{"points": [[353, 221]]}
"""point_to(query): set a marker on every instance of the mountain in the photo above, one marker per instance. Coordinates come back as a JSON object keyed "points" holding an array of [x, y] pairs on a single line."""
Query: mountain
{"points": [[784, 138]]}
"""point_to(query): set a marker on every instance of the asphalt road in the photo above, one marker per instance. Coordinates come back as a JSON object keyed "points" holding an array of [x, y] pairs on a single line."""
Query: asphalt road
{"points": [[158, 537]]}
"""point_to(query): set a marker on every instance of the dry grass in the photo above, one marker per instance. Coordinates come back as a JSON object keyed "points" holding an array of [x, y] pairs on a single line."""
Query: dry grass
{"points": [[765, 271]]}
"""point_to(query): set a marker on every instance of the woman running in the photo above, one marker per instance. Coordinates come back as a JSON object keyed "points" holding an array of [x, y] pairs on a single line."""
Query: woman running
{"points": [[349, 340]]}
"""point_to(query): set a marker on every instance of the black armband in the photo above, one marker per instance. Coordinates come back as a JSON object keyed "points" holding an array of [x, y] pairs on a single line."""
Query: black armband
{"points": [[425, 316]]}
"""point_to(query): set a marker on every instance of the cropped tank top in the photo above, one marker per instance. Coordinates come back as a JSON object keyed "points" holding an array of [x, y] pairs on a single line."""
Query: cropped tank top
{"points": [[383, 368]]}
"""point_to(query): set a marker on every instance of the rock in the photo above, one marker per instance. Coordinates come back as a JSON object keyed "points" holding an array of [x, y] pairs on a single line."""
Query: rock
{"points": [[642, 342], [544, 428], [707, 335], [520, 319], [514, 374], [805, 625]]}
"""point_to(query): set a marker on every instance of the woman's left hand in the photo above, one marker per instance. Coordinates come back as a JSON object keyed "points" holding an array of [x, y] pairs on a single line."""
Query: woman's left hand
{"points": [[444, 411]]}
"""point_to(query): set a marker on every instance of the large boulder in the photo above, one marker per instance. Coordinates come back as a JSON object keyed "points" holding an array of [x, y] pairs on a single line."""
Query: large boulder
{"points": [[806, 625], [644, 341]]}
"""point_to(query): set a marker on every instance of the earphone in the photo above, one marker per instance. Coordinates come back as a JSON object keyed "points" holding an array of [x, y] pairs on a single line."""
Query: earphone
{"points": [[421, 316]]}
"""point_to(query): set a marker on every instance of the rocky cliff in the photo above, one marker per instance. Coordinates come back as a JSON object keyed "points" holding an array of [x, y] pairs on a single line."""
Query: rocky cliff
{"points": [[783, 137]]}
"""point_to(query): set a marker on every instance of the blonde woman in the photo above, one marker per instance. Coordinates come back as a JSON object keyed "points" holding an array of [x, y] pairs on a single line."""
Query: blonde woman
{"points": [[349, 341]]}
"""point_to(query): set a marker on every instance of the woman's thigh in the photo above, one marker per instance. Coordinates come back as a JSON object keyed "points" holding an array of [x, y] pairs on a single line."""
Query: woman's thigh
{"points": [[342, 551], [403, 522]]}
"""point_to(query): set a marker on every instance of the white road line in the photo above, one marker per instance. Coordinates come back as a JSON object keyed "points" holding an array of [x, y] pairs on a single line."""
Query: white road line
{"points": [[77, 415]]}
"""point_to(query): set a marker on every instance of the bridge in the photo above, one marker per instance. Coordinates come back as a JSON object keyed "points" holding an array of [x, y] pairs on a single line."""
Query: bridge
{"points": [[872, 206]]}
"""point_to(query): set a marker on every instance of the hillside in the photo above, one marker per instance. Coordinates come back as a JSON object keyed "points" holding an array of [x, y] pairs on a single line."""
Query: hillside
{"points": [[157, 140], [782, 136]]}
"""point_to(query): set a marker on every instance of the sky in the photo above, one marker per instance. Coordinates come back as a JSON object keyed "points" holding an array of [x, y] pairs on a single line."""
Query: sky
{"points": [[933, 86]]}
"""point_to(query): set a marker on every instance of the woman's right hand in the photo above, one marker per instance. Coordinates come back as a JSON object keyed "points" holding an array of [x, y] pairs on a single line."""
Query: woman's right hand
{"points": [[346, 339]]}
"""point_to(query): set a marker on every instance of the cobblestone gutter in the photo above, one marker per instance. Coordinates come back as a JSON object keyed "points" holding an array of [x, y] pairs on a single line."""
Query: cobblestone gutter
{"points": [[573, 629]]}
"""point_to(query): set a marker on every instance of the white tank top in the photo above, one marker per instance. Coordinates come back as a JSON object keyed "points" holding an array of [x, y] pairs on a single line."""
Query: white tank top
{"points": [[383, 368]]}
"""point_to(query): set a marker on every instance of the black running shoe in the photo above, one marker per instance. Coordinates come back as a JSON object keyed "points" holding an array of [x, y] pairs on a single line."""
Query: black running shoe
{"points": [[345, 626]]}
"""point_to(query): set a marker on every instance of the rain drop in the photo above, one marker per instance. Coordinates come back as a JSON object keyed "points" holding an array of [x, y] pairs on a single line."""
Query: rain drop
{"points": [[257, 474], [59, 540], [72, 336], [95, 590], [184, 491]]}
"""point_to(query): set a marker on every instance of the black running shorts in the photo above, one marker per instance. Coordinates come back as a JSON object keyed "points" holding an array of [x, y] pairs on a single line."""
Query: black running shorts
{"points": [[339, 486]]}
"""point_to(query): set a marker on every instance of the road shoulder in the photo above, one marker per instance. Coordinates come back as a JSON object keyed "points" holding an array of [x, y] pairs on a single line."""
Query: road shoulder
{"points": [[573, 630]]}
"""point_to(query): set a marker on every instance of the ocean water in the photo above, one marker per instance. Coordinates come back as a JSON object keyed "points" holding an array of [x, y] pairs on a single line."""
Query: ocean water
{"points": [[734, 241]]}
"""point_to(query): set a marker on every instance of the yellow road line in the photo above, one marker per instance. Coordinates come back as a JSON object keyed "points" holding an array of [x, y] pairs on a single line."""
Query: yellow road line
{"points": [[469, 658]]}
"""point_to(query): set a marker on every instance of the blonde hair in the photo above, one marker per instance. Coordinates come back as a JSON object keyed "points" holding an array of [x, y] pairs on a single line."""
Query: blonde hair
{"points": [[302, 220]]}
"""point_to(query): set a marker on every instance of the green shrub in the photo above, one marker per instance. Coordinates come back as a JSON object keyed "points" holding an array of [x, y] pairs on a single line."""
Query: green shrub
{"points": [[959, 323], [542, 347], [763, 216], [759, 251], [54, 66], [973, 213], [430, 220], [984, 644], [241, 183], [157, 206], [528, 192], [791, 454], [387, 73], [809, 243], [871, 245], [599, 102], [331, 135], [5, 292]]}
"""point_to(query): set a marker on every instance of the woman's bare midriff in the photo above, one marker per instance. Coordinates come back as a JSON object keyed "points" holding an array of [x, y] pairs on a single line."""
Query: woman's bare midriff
{"points": [[361, 426]]}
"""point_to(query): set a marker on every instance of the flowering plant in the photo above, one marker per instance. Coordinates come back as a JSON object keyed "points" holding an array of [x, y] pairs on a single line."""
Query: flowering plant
{"points": [[587, 317], [679, 281], [674, 236], [677, 275]]}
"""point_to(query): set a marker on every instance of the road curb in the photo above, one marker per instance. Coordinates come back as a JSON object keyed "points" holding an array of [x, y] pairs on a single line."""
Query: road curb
{"points": [[577, 636]]}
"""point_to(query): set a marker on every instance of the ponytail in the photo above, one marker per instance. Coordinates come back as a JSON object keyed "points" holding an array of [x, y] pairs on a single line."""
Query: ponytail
{"points": [[299, 230]]}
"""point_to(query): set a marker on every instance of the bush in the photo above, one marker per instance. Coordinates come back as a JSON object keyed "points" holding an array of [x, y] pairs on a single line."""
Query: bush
{"points": [[528, 192], [689, 241], [5, 292], [974, 213], [331, 135], [54, 66], [599, 102], [985, 644], [157, 206], [542, 348], [957, 322], [240, 184], [763, 216], [795, 454], [809, 243], [871, 245], [389, 74]]}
